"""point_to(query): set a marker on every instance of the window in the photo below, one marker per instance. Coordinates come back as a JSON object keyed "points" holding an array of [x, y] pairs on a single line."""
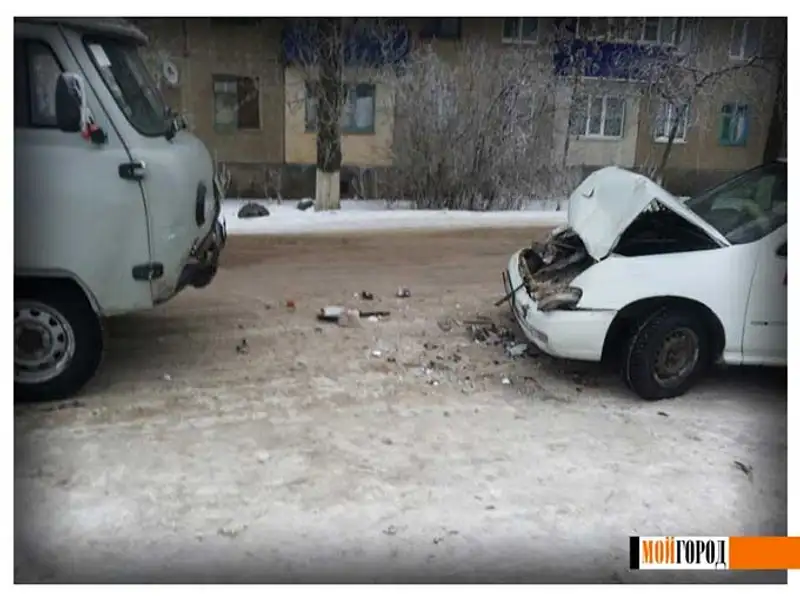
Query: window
{"points": [[598, 116], [358, 109], [748, 207], [36, 71], [733, 129], [236, 103], [745, 38], [129, 82], [668, 115], [520, 30], [443, 28]]}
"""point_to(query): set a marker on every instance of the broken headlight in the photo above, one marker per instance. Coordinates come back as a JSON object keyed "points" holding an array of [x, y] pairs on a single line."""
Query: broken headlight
{"points": [[563, 299]]}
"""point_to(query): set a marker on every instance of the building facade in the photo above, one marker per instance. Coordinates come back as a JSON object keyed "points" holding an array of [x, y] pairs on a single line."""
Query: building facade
{"points": [[244, 85]]}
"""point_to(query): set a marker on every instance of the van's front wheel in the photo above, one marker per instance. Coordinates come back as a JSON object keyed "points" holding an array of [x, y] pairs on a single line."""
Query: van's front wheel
{"points": [[58, 341]]}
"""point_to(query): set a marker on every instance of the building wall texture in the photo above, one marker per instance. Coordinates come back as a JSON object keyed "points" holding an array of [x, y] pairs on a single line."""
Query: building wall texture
{"points": [[280, 149]]}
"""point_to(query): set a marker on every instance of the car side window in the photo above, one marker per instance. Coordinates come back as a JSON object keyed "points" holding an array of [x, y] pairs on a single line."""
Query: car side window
{"points": [[36, 71]]}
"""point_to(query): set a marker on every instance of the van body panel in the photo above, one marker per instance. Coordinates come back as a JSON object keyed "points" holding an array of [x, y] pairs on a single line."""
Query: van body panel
{"points": [[72, 212], [75, 213]]}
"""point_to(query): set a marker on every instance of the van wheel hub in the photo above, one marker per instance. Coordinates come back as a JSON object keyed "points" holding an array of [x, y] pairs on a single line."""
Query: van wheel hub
{"points": [[44, 342], [677, 357]]}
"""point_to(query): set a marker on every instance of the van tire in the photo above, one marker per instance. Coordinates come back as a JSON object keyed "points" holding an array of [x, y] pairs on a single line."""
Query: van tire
{"points": [[60, 312], [648, 349]]}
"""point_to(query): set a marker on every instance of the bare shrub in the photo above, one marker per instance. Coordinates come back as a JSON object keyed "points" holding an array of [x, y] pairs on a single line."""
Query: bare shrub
{"points": [[473, 133]]}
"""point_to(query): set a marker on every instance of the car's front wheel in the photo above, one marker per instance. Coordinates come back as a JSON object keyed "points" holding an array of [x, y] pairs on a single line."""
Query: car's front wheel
{"points": [[666, 354], [58, 341]]}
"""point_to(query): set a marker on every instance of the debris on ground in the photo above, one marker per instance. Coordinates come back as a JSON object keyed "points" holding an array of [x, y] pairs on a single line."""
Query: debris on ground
{"points": [[746, 469], [231, 531], [403, 292], [491, 334], [377, 353], [374, 313], [305, 204], [438, 539], [365, 295], [349, 318], [291, 305], [506, 381], [63, 405], [517, 350], [331, 313], [446, 324], [167, 377], [252, 210], [391, 530], [242, 347], [661, 413]]}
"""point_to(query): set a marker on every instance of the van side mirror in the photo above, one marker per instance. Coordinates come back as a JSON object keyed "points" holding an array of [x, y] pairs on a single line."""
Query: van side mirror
{"points": [[69, 102]]}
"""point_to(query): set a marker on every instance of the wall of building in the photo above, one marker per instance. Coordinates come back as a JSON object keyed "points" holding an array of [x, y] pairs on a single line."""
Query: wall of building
{"points": [[702, 151], [595, 152], [202, 48], [358, 149]]}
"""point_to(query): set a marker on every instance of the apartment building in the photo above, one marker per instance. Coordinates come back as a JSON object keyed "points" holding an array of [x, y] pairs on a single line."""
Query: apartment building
{"points": [[245, 83]]}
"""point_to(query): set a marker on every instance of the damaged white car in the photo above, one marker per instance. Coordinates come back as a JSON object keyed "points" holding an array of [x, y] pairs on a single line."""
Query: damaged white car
{"points": [[658, 287]]}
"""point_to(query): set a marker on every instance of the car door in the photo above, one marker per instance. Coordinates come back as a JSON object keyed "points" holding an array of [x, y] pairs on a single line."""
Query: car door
{"points": [[765, 333], [73, 215]]}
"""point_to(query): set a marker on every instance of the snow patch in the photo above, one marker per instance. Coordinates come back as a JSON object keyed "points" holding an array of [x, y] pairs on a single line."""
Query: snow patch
{"points": [[383, 215]]}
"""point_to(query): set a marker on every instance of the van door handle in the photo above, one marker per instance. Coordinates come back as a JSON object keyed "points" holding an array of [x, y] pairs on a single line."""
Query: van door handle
{"points": [[781, 251], [133, 171]]}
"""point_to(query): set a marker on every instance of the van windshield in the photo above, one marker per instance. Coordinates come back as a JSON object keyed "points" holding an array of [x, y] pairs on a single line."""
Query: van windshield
{"points": [[748, 207], [128, 80]]}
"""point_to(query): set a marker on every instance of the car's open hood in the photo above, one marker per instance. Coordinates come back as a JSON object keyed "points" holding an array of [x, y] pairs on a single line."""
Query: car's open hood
{"points": [[605, 204]]}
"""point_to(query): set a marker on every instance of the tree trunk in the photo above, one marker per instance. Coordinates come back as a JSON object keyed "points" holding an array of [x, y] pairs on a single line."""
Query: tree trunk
{"points": [[329, 94], [776, 135]]}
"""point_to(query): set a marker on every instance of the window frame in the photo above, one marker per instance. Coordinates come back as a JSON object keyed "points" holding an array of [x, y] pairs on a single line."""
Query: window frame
{"points": [[345, 128], [746, 23], [237, 80], [735, 108], [432, 29], [589, 98], [519, 40], [671, 110], [25, 43]]}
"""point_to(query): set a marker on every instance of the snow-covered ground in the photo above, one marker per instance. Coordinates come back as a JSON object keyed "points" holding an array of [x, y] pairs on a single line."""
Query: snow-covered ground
{"points": [[379, 215]]}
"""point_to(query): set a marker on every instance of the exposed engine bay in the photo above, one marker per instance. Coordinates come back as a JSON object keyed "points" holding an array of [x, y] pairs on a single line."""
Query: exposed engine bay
{"points": [[547, 268]]}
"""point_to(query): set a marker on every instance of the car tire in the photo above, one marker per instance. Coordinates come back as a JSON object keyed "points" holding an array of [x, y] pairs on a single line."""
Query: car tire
{"points": [[666, 354], [58, 341]]}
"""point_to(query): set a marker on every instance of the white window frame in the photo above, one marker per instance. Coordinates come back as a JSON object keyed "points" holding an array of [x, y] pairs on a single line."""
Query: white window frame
{"points": [[584, 134], [666, 121], [758, 24], [519, 39]]}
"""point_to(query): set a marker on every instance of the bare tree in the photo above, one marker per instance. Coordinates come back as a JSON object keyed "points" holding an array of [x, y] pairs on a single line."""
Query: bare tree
{"points": [[330, 54]]}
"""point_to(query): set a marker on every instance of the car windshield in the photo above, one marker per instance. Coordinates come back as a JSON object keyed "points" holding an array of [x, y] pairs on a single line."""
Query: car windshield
{"points": [[747, 207], [130, 83]]}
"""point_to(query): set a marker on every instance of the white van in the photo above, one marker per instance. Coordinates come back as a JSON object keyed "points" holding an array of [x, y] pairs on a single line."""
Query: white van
{"points": [[116, 205], [660, 287]]}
